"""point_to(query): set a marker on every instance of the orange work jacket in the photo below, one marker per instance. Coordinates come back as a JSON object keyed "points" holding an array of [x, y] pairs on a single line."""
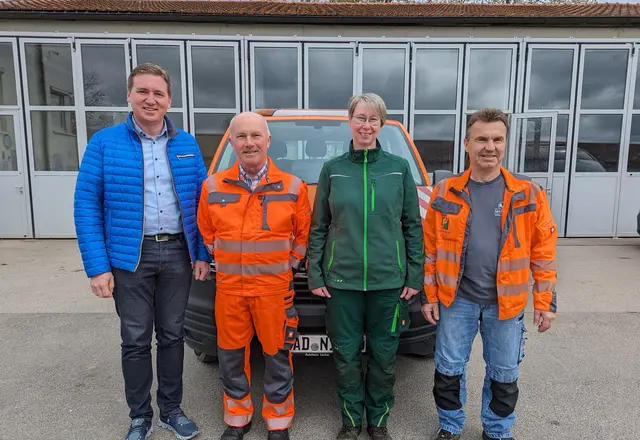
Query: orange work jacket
{"points": [[253, 235], [527, 245]]}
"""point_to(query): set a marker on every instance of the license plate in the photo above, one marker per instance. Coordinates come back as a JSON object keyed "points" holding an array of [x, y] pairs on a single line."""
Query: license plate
{"points": [[316, 345]]}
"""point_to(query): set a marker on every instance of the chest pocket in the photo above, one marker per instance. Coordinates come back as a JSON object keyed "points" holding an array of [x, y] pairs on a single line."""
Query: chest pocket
{"points": [[449, 222], [224, 208], [386, 194], [277, 212]]}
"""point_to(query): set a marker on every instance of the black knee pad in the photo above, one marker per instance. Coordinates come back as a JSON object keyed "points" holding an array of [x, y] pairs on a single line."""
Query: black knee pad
{"points": [[446, 390], [505, 396]]}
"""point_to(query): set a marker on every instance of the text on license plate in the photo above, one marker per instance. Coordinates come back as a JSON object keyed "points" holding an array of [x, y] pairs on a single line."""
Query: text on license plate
{"points": [[316, 345]]}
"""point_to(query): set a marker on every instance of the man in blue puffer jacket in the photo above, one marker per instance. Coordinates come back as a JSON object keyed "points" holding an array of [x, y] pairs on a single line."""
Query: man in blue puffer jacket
{"points": [[135, 214]]}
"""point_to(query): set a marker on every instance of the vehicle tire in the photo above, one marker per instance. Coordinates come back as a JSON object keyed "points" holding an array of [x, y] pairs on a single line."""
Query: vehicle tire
{"points": [[205, 358]]}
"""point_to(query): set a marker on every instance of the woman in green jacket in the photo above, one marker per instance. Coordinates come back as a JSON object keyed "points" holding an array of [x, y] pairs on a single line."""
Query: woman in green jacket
{"points": [[366, 257]]}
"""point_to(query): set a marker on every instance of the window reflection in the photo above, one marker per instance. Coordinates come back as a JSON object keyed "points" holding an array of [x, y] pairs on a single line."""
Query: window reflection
{"points": [[276, 77], [55, 143], [489, 78], [633, 164], [636, 100], [8, 94], [434, 136], [436, 79], [604, 79], [49, 74], [96, 121], [8, 150], [330, 77], [214, 77], [167, 57], [104, 75], [209, 129], [562, 134], [550, 79], [383, 74], [599, 143]]}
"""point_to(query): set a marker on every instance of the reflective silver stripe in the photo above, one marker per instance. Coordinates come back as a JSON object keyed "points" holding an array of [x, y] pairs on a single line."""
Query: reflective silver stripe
{"points": [[533, 192], [210, 248], [212, 185], [544, 286], [253, 269], [294, 186], [279, 423], [430, 259], [513, 289], [430, 280], [234, 404], [237, 421], [299, 248], [447, 280], [513, 265], [543, 265], [442, 254], [252, 246]]}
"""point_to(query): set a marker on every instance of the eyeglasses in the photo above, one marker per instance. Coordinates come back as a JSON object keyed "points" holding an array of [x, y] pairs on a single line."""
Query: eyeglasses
{"points": [[361, 119]]}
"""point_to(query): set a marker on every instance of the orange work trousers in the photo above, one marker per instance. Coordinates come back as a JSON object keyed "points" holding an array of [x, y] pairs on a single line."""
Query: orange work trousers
{"points": [[275, 320]]}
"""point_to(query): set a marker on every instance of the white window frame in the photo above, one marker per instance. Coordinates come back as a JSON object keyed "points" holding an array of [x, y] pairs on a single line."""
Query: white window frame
{"points": [[631, 111], [16, 71], [80, 131], [455, 112], [343, 46], [183, 74], [252, 67]]}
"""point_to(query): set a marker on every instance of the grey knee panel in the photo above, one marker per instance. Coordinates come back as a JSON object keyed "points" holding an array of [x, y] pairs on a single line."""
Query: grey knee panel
{"points": [[505, 396], [232, 375], [446, 391]]}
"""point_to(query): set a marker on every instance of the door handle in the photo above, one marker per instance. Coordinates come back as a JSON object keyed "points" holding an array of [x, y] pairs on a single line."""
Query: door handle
{"points": [[20, 188]]}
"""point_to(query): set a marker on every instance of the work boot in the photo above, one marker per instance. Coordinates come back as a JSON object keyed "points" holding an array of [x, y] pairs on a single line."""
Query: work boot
{"points": [[235, 433], [486, 437], [349, 433], [281, 434], [378, 433], [446, 435], [140, 429]]}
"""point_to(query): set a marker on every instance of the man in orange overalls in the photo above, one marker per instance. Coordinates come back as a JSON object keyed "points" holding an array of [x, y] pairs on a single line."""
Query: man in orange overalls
{"points": [[255, 220]]}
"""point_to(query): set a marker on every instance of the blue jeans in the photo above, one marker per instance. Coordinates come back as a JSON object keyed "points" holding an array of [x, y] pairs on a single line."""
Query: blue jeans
{"points": [[156, 293], [503, 350]]}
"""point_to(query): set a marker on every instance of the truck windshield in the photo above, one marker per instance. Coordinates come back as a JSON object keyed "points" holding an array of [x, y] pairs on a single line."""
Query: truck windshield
{"points": [[302, 146]]}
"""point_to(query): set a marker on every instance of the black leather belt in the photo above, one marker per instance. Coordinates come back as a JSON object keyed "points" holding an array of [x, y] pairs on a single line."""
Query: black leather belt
{"points": [[164, 237]]}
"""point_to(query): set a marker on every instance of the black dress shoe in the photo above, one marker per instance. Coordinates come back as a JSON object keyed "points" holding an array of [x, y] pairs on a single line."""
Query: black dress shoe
{"points": [[235, 433]]}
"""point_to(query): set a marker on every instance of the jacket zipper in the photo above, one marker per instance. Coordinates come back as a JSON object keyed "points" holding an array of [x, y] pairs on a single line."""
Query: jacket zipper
{"points": [[396, 315], [373, 195], [366, 215], [144, 204], [398, 251], [333, 245], [186, 237]]}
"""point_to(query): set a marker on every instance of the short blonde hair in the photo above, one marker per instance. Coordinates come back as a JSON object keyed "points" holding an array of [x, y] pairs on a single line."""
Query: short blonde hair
{"points": [[149, 69], [370, 100], [487, 115]]}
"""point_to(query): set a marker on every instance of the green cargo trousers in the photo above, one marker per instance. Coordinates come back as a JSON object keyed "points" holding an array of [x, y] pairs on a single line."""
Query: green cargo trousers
{"points": [[383, 315]]}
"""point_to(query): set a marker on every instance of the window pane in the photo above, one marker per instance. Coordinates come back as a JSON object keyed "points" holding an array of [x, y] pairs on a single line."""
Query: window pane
{"points": [[489, 78], [167, 57], [55, 143], [604, 79], [276, 81], [436, 79], [598, 143], [7, 76], [550, 80], [538, 141], [399, 118], [636, 101], [562, 134], [177, 118], [209, 129], [104, 75], [209, 63], [633, 164], [383, 74], [434, 136], [96, 121], [330, 77], [49, 74], [8, 150]]}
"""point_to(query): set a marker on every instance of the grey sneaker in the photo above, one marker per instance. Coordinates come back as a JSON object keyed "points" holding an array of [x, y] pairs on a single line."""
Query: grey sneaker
{"points": [[181, 426], [140, 429]]}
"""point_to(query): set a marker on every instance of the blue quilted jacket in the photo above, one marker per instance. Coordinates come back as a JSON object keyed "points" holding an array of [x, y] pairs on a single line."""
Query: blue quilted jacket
{"points": [[109, 196]]}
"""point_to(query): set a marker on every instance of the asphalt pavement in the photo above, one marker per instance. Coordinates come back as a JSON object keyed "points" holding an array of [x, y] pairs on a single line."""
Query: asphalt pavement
{"points": [[60, 375]]}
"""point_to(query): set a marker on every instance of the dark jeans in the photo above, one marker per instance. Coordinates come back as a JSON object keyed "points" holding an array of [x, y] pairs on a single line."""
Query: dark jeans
{"points": [[156, 292]]}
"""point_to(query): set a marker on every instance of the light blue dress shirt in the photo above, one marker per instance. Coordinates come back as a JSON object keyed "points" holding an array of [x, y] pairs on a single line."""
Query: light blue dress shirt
{"points": [[161, 208]]}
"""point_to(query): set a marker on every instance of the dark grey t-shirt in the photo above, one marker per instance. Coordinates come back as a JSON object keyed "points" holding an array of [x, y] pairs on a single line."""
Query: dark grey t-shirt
{"points": [[478, 282]]}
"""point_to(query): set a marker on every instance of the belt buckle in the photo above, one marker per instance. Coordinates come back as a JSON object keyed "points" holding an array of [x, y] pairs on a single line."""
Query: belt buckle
{"points": [[161, 237]]}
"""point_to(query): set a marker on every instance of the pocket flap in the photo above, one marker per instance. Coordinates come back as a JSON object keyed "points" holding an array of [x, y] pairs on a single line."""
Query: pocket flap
{"points": [[445, 206], [222, 198]]}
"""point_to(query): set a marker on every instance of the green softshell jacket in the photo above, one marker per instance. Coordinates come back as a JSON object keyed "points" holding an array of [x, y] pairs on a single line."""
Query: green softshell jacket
{"points": [[366, 232]]}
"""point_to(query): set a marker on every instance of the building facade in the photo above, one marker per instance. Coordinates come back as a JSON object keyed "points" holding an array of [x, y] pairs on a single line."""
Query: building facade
{"points": [[573, 93]]}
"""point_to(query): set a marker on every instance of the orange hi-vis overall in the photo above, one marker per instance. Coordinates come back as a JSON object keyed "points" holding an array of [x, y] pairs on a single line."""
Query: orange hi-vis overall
{"points": [[255, 237], [527, 245]]}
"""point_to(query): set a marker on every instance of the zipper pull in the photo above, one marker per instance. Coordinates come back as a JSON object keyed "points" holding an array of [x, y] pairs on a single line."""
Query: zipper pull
{"points": [[373, 194], [365, 155]]}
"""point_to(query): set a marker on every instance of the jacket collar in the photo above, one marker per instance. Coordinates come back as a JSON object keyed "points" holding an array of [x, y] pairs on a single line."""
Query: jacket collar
{"points": [[513, 184], [357, 156], [172, 131], [273, 176]]}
